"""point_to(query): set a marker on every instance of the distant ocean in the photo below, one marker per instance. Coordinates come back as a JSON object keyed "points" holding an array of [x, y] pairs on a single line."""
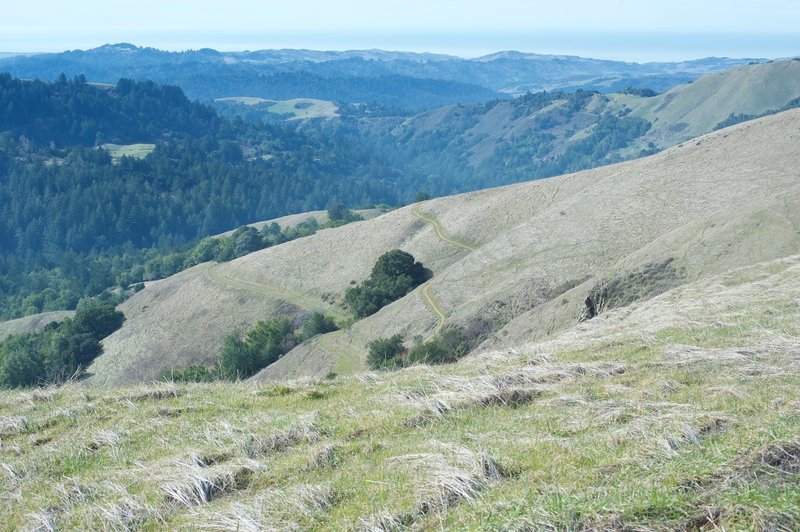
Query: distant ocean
{"points": [[630, 46]]}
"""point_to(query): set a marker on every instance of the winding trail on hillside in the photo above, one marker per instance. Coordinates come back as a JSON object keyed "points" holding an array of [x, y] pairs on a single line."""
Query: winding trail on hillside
{"points": [[441, 232], [427, 296], [219, 275]]}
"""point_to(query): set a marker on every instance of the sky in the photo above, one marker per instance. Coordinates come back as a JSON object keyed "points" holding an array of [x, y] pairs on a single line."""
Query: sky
{"points": [[613, 29]]}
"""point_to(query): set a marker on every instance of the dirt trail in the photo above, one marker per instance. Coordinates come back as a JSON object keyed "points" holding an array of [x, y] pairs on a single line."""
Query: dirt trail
{"points": [[219, 274], [427, 296], [440, 230]]}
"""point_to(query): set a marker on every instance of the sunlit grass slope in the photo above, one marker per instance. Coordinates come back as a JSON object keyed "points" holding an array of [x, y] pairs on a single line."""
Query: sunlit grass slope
{"points": [[533, 252], [680, 412]]}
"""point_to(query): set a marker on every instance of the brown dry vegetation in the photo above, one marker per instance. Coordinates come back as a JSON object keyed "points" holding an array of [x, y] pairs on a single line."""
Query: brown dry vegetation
{"points": [[34, 323], [724, 200], [680, 412]]}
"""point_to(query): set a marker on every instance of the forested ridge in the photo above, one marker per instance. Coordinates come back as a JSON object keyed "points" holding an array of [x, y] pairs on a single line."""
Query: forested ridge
{"points": [[71, 218], [75, 221]]}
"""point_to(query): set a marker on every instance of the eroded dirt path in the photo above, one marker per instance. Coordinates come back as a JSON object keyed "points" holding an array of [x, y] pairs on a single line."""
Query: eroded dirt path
{"points": [[427, 296]]}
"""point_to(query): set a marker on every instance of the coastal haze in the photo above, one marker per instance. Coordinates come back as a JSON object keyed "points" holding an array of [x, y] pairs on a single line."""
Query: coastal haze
{"points": [[612, 29]]}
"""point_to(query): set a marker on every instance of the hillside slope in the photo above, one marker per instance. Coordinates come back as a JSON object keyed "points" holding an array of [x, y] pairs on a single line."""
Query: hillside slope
{"points": [[33, 323], [679, 413], [727, 199], [696, 108], [546, 134]]}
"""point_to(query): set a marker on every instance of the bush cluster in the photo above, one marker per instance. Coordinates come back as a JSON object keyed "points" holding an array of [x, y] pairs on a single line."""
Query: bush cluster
{"points": [[628, 287], [452, 344], [61, 351], [394, 275], [261, 346]]}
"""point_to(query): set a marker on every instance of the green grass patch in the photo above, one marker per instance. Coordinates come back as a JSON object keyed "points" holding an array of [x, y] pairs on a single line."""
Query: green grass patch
{"points": [[137, 151]]}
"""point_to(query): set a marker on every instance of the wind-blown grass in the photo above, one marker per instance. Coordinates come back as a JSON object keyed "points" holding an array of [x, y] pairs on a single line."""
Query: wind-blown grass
{"points": [[679, 412]]}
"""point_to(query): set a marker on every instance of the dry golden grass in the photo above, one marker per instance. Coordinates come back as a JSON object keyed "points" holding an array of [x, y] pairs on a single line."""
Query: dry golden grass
{"points": [[34, 323], [680, 412], [724, 200]]}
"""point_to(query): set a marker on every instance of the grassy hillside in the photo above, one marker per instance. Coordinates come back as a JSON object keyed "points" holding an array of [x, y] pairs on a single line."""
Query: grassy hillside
{"points": [[466, 147], [522, 257], [696, 108], [34, 323], [676, 413], [294, 109]]}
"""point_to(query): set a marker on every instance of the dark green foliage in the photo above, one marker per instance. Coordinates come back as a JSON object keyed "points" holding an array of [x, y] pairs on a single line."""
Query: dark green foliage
{"points": [[394, 275], [245, 241], [627, 287], [98, 319], [61, 351], [238, 360], [193, 373], [318, 323], [74, 223], [385, 352], [529, 103], [398, 263], [639, 91], [262, 345], [734, 118], [21, 362], [452, 344], [339, 215], [271, 339], [70, 112]]}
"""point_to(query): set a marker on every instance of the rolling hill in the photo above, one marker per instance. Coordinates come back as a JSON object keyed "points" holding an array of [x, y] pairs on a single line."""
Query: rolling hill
{"points": [[33, 323], [546, 134], [523, 257]]}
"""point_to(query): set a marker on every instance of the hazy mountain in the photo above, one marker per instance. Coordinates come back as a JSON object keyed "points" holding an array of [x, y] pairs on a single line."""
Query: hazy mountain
{"points": [[285, 74]]}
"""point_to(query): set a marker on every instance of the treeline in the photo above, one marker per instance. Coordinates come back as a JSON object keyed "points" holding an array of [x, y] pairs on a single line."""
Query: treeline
{"points": [[735, 118], [261, 346], [71, 112], [241, 242], [61, 352], [72, 220], [398, 91]]}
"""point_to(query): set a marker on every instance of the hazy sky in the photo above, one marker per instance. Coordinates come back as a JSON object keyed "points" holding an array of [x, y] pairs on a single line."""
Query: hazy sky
{"points": [[624, 29]]}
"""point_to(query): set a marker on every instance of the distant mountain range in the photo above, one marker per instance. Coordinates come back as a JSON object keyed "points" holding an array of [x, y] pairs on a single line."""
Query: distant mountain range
{"points": [[365, 76]]}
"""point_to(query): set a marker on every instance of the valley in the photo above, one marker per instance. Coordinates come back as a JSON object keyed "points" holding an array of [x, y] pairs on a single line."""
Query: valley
{"points": [[525, 241], [370, 290]]}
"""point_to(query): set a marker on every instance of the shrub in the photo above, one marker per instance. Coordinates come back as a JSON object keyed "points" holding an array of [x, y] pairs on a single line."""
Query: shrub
{"points": [[452, 344], [630, 286], [61, 350], [238, 360], [318, 323], [265, 343], [193, 373], [384, 352], [394, 275], [20, 364]]}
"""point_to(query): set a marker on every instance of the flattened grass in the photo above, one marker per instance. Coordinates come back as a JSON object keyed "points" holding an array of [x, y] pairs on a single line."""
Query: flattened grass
{"points": [[637, 421]]}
